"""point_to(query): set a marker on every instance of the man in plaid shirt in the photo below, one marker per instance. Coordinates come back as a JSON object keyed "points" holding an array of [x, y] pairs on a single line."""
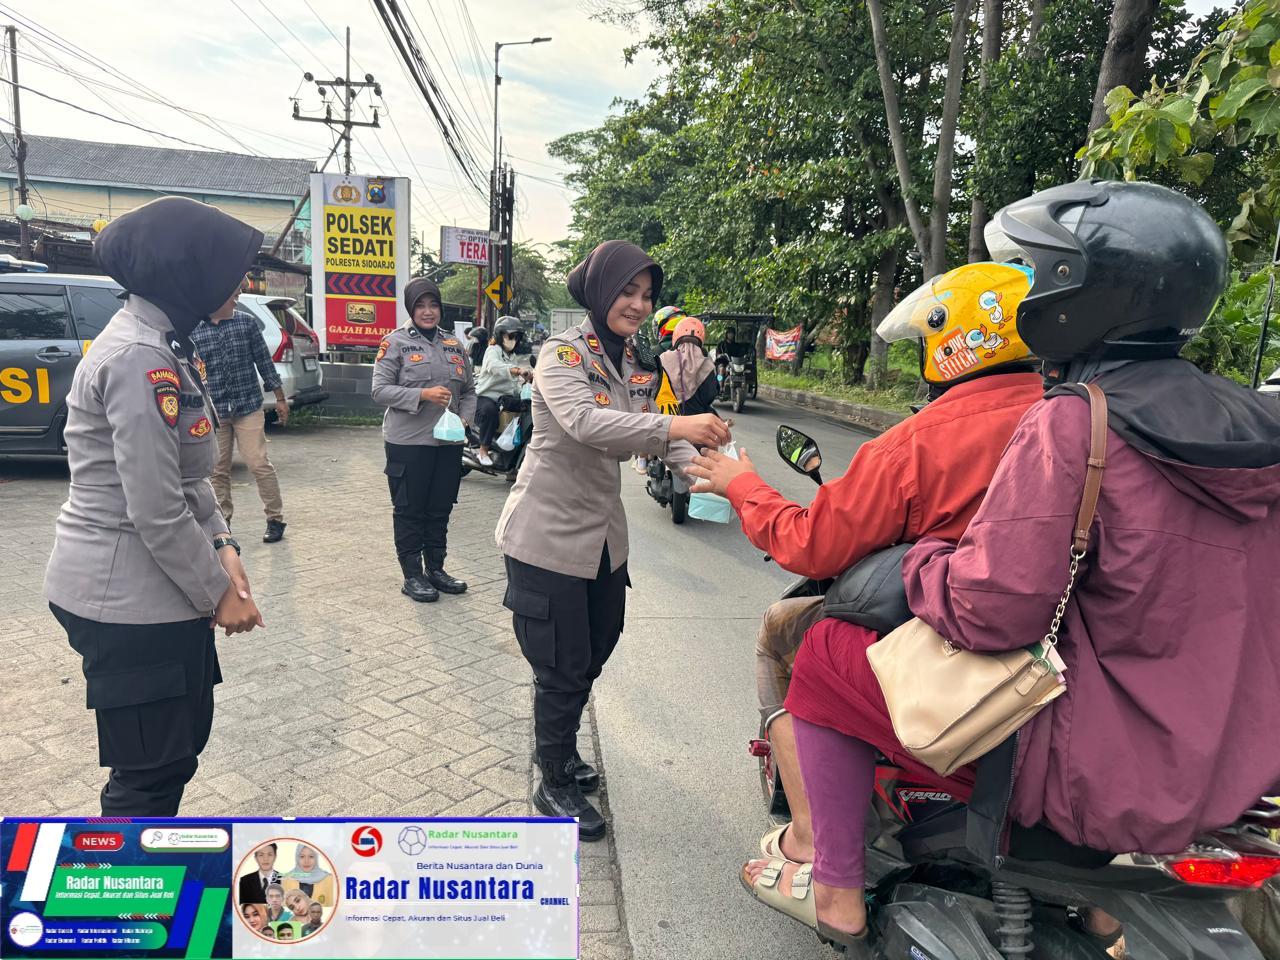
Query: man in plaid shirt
{"points": [[235, 355]]}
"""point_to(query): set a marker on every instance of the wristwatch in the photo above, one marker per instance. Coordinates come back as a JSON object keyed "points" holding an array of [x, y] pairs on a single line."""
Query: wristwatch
{"points": [[226, 540]]}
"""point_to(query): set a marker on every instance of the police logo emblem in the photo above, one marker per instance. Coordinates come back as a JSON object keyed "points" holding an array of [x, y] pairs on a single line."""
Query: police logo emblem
{"points": [[641, 378], [451, 342], [200, 428], [568, 356], [602, 399], [167, 403], [346, 194], [415, 357], [376, 192]]}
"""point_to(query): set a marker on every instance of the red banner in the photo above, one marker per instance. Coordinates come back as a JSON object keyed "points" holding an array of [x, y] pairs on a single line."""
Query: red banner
{"points": [[358, 323], [782, 344]]}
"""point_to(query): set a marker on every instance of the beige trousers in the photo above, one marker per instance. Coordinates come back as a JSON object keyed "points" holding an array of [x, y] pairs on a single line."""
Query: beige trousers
{"points": [[249, 433]]}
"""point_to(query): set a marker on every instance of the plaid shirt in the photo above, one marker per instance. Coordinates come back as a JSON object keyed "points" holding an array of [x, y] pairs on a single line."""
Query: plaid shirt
{"points": [[231, 349]]}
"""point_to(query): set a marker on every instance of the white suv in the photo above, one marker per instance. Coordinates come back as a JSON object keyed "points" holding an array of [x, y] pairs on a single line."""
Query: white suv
{"points": [[295, 350]]}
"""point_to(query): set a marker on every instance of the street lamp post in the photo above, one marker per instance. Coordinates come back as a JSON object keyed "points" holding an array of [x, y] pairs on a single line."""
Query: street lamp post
{"points": [[495, 218]]}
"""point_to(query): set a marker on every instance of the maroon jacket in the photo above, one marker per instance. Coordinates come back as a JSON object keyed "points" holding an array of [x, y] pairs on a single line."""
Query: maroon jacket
{"points": [[1172, 643]]}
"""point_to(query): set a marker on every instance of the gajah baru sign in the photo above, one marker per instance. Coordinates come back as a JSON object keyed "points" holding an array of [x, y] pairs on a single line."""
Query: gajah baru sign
{"points": [[360, 226]]}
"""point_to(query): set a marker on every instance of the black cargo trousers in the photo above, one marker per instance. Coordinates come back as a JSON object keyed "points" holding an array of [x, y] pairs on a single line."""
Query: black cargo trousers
{"points": [[151, 688], [567, 628], [423, 481]]}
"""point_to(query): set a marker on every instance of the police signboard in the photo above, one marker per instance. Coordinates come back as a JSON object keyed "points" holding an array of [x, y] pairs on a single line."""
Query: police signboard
{"points": [[360, 257], [464, 245]]}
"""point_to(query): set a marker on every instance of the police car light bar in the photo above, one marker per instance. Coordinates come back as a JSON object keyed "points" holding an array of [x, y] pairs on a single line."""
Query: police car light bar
{"points": [[11, 264]]}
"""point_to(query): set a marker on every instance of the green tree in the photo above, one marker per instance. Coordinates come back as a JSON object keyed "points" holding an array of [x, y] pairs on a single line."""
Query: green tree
{"points": [[1216, 134]]}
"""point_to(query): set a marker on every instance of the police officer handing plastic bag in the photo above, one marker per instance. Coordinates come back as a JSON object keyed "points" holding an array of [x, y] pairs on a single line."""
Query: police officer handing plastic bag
{"points": [[141, 558], [563, 531], [422, 375]]}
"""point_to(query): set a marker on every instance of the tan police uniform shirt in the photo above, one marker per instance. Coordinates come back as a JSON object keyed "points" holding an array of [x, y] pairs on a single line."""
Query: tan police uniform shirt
{"points": [[133, 542], [587, 416], [407, 363]]}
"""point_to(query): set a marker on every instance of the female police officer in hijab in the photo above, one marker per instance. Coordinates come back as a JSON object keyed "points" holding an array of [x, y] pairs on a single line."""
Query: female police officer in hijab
{"points": [[141, 558], [563, 531], [420, 372]]}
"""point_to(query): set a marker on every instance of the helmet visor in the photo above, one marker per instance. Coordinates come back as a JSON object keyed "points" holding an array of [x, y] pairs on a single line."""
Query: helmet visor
{"points": [[921, 313]]}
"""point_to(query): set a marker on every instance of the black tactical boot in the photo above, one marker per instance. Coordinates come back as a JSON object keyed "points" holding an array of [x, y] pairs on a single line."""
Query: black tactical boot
{"points": [[586, 775], [559, 795], [416, 586], [434, 560]]}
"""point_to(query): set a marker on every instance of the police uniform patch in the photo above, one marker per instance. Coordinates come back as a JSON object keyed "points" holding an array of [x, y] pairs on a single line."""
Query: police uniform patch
{"points": [[451, 342], [568, 356], [200, 428], [603, 400], [593, 342], [630, 353], [382, 350], [595, 378], [645, 408], [415, 357], [460, 370], [164, 375], [202, 370], [167, 402], [641, 378], [595, 365]]}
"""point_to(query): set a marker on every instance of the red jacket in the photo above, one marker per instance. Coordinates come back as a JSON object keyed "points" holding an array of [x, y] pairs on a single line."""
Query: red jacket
{"points": [[924, 477]]}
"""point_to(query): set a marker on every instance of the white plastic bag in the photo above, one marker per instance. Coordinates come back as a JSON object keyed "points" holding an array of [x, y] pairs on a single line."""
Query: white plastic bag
{"points": [[449, 428], [710, 506], [509, 439]]}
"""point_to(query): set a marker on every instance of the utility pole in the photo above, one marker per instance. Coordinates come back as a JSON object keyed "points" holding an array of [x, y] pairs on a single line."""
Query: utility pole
{"points": [[19, 145], [499, 214], [348, 88]]}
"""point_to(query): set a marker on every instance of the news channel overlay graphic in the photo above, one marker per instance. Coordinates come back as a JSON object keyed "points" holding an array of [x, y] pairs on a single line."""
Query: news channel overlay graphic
{"points": [[431, 888]]}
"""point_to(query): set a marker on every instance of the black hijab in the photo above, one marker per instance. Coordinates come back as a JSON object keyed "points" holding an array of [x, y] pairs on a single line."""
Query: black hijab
{"points": [[415, 290], [184, 256], [596, 282]]}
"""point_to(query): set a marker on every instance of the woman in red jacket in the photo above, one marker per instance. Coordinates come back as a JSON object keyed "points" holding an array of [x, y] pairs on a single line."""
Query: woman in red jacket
{"points": [[924, 477]]}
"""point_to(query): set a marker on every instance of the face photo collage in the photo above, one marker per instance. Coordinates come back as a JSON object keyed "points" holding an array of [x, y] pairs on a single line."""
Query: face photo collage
{"points": [[286, 890]]}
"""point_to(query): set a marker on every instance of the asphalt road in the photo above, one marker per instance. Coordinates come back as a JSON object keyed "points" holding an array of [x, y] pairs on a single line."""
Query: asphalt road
{"points": [[675, 709]]}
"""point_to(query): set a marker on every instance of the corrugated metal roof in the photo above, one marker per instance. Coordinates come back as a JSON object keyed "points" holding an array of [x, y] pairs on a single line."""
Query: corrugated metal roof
{"points": [[160, 168]]}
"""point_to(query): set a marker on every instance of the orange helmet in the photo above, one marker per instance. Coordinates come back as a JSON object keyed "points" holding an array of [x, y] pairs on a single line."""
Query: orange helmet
{"points": [[689, 327]]}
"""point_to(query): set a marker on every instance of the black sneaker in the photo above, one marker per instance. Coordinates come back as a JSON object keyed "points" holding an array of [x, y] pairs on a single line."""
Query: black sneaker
{"points": [[420, 589], [559, 795], [275, 531]]}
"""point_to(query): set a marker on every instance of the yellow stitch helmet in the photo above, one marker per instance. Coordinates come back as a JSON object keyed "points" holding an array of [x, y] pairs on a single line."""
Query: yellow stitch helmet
{"points": [[966, 318]]}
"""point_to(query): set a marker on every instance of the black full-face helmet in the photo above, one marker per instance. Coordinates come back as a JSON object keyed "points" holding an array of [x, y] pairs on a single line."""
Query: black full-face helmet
{"points": [[511, 326], [1123, 270]]}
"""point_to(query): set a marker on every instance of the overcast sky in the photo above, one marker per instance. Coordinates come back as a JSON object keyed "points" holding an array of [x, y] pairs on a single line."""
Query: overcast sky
{"points": [[231, 60], [235, 60]]}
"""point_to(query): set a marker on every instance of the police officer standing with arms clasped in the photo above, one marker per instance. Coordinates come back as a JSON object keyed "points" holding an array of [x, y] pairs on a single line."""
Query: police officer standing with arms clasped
{"points": [[563, 531], [420, 372], [142, 563]]}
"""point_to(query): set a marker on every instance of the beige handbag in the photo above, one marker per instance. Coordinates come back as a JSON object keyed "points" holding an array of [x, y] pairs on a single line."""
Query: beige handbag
{"points": [[950, 706]]}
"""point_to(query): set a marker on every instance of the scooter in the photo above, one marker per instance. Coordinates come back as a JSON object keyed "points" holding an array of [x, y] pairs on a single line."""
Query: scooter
{"points": [[667, 489], [506, 463], [930, 898]]}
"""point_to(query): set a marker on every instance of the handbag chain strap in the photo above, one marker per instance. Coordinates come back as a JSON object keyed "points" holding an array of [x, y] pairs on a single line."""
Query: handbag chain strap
{"points": [[1088, 503]]}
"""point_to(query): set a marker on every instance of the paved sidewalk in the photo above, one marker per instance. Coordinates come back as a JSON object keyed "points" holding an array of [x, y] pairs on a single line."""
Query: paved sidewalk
{"points": [[354, 701]]}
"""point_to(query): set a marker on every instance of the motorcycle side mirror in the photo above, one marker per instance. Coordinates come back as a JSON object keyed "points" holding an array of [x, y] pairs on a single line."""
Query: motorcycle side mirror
{"points": [[800, 451]]}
